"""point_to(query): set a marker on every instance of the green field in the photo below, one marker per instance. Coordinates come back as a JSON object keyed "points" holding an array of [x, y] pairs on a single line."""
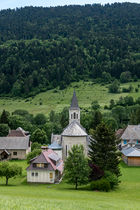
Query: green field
{"points": [[20, 195], [57, 99]]}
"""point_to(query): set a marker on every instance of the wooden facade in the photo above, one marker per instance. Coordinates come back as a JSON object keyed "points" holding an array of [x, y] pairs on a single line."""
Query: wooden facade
{"points": [[131, 161]]}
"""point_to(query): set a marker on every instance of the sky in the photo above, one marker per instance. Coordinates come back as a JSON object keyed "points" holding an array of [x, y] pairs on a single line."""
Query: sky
{"points": [[5, 4]]}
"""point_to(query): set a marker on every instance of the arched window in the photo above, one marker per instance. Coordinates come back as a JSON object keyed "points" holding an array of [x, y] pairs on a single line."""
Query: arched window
{"points": [[66, 151], [77, 116], [74, 115]]}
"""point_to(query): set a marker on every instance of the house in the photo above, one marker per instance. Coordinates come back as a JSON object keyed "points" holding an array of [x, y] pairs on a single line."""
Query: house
{"points": [[131, 156], [130, 136], [18, 132], [74, 133], [130, 145], [15, 146], [45, 168]]}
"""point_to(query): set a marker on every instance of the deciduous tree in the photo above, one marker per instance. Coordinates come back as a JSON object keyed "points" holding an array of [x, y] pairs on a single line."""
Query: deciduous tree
{"points": [[76, 169], [9, 170], [39, 136]]}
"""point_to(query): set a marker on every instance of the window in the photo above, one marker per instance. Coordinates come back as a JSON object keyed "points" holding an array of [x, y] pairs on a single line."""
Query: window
{"points": [[33, 174], [15, 153], [45, 165], [51, 175], [77, 116], [138, 141], [125, 141], [40, 165], [34, 165], [36, 174], [71, 116], [66, 150], [74, 115]]}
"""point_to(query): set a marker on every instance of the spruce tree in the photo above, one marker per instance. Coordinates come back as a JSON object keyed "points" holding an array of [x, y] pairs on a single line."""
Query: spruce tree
{"points": [[4, 117], [103, 149]]}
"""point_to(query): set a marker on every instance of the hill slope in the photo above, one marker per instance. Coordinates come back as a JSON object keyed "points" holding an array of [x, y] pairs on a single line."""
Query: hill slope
{"points": [[56, 100], [42, 48]]}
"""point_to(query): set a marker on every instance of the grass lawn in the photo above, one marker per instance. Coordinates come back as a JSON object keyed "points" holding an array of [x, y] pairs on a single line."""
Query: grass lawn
{"points": [[20, 195], [57, 99]]}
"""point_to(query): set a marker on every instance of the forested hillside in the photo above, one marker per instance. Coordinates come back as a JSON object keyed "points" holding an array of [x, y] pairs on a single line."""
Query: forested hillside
{"points": [[41, 48]]}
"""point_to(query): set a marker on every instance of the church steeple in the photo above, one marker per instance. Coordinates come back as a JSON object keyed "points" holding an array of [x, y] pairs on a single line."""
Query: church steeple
{"points": [[74, 102], [74, 111]]}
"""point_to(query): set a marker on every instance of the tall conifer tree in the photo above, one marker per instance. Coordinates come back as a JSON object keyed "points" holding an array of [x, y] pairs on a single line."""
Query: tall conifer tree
{"points": [[103, 149], [4, 117]]}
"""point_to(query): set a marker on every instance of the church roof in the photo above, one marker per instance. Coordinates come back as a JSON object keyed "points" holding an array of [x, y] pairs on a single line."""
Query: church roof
{"points": [[74, 129], [74, 102]]}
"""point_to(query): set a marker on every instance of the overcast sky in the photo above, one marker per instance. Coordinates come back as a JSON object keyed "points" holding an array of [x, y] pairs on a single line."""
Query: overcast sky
{"points": [[4, 4]]}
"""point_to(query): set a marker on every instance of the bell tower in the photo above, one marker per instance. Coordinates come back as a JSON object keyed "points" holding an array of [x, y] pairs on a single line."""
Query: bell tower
{"points": [[74, 110]]}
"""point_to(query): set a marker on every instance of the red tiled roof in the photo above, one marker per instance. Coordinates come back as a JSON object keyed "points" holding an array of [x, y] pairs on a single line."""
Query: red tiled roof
{"points": [[16, 133], [59, 166]]}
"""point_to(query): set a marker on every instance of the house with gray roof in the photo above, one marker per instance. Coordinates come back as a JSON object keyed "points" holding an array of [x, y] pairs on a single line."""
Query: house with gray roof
{"points": [[131, 156], [130, 136], [130, 145], [74, 133], [14, 147]]}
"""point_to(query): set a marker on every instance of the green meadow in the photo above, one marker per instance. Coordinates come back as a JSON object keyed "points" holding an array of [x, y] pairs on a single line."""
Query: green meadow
{"points": [[22, 196], [57, 99]]}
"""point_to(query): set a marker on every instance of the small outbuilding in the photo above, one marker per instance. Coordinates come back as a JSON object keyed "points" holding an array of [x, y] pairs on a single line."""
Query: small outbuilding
{"points": [[45, 168], [131, 156]]}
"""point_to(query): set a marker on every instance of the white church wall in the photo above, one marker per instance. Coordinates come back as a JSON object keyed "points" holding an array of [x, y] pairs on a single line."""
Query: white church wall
{"points": [[74, 114], [69, 141]]}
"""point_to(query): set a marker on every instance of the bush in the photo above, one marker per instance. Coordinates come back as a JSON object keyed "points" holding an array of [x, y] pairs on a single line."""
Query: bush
{"points": [[35, 145], [112, 179], [125, 90], [114, 87], [95, 172], [33, 154], [106, 107], [125, 76], [4, 129], [101, 185]]}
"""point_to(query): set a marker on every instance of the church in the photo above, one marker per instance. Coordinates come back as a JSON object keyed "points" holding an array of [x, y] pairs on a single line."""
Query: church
{"points": [[73, 134]]}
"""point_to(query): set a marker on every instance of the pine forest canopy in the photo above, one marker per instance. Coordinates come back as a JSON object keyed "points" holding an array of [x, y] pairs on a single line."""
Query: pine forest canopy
{"points": [[42, 48]]}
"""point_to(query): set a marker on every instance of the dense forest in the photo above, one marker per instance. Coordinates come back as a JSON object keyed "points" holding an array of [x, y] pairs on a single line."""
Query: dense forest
{"points": [[42, 48]]}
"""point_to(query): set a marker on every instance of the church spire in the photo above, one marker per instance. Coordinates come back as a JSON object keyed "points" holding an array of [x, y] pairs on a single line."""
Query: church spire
{"points": [[74, 111], [74, 102]]}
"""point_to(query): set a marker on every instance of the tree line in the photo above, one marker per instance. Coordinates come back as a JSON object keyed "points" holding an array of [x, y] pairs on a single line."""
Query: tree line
{"points": [[42, 48]]}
